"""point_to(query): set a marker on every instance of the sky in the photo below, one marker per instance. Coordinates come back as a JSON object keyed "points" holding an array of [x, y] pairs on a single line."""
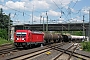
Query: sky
{"points": [[58, 11]]}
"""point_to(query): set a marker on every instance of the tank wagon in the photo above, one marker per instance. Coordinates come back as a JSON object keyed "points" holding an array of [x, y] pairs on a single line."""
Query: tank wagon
{"points": [[78, 38], [48, 38]]}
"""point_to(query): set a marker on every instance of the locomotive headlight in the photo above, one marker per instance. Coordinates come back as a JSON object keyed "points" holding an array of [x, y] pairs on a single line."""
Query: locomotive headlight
{"points": [[22, 38], [17, 38]]}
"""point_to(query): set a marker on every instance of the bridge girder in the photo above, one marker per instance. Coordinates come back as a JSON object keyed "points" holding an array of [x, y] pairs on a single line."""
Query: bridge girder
{"points": [[54, 27]]}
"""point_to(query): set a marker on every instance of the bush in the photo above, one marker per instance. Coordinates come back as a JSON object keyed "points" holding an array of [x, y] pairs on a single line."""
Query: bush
{"points": [[3, 41], [86, 46], [3, 33]]}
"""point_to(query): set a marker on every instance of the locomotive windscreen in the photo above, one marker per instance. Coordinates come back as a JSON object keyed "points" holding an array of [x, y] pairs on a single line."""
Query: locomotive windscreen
{"points": [[21, 34]]}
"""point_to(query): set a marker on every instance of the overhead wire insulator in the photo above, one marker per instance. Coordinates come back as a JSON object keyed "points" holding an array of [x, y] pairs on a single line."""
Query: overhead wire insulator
{"points": [[23, 13]]}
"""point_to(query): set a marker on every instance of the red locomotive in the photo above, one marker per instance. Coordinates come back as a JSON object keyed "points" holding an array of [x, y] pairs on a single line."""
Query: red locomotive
{"points": [[25, 38]]}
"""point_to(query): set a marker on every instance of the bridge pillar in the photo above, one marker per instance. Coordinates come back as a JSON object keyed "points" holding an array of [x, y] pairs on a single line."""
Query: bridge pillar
{"points": [[86, 32]]}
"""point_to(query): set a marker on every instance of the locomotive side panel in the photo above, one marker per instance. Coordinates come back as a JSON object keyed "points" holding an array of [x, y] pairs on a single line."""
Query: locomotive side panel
{"points": [[37, 37]]}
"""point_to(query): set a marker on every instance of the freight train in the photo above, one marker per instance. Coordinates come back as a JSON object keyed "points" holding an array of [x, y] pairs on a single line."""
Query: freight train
{"points": [[27, 38]]}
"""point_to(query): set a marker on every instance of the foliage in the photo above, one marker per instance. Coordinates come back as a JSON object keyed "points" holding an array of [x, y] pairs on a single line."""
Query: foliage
{"points": [[78, 33], [3, 41], [86, 46], [3, 33], [4, 23]]}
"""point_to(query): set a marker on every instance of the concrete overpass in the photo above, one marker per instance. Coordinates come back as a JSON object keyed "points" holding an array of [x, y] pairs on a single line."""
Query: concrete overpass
{"points": [[54, 27]]}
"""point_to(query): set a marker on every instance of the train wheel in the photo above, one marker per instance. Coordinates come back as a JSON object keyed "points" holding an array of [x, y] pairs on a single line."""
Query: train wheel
{"points": [[49, 41], [58, 40], [29, 46], [26, 47], [46, 42], [16, 47], [54, 41]]}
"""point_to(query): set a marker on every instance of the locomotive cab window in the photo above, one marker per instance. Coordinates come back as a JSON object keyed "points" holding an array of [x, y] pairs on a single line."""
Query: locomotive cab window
{"points": [[21, 34]]}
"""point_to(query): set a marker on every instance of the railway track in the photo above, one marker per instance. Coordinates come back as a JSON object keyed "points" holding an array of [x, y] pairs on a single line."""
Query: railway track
{"points": [[37, 52], [5, 46], [70, 51], [50, 52], [63, 51], [7, 49]]}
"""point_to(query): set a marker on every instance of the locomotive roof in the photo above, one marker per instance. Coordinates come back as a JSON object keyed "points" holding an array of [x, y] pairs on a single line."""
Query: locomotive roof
{"points": [[36, 32], [39, 32], [22, 30]]}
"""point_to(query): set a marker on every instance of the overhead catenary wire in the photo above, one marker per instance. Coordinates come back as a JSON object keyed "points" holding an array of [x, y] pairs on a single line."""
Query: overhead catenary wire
{"points": [[70, 12], [15, 10], [72, 7], [75, 4], [61, 10], [23, 13]]}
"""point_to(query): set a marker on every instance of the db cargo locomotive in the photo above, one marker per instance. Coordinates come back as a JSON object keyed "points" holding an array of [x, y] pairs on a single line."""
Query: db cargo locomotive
{"points": [[27, 38]]}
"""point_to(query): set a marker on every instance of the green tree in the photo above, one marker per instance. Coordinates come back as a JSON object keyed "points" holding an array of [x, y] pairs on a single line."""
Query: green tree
{"points": [[4, 20], [1, 20], [4, 23]]}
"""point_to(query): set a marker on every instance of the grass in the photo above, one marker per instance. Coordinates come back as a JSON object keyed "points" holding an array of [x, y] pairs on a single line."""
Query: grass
{"points": [[3, 41], [86, 46]]}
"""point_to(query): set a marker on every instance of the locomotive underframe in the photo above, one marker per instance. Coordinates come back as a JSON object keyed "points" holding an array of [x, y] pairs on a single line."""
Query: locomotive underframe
{"points": [[27, 44]]}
